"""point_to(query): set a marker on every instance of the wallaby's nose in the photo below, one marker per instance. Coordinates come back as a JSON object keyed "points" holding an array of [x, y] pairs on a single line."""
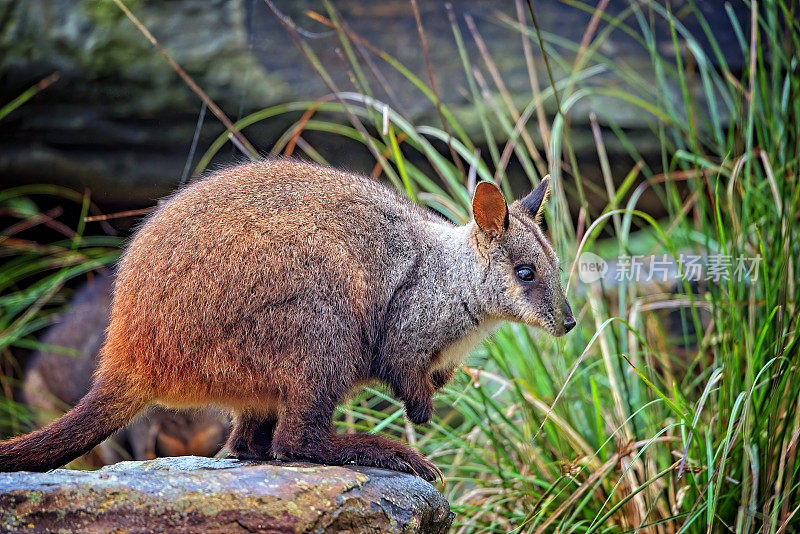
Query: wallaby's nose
{"points": [[569, 319]]}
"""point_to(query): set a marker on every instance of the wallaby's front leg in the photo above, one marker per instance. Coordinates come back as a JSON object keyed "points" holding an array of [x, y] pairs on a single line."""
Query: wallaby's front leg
{"points": [[413, 386]]}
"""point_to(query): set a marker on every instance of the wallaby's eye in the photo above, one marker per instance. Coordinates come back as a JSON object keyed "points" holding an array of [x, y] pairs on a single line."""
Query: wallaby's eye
{"points": [[526, 273]]}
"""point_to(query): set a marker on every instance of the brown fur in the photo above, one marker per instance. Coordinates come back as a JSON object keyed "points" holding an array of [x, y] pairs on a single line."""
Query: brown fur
{"points": [[276, 288]]}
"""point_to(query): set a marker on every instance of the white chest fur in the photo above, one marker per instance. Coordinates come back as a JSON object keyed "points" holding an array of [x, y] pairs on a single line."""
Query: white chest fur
{"points": [[454, 353]]}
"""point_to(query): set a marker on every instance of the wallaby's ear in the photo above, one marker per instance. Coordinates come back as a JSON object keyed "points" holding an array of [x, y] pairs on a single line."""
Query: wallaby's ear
{"points": [[537, 198], [490, 209]]}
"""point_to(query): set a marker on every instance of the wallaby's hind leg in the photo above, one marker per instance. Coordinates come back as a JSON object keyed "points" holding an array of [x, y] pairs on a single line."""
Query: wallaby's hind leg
{"points": [[251, 438], [305, 432]]}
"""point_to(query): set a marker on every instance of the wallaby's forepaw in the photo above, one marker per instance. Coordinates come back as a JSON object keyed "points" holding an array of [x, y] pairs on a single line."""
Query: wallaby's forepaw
{"points": [[419, 412], [441, 377]]}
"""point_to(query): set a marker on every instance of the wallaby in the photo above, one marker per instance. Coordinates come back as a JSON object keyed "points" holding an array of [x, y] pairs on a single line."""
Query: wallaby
{"points": [[55, 381], [277, 288]]}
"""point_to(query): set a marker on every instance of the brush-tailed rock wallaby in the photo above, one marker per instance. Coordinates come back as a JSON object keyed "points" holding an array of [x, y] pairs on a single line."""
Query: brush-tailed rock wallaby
{"points": [[277, 288], [54, 382]]}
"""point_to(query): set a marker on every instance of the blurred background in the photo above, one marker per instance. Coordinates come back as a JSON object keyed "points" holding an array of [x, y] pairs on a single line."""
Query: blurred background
{"points": [[671, 130]]}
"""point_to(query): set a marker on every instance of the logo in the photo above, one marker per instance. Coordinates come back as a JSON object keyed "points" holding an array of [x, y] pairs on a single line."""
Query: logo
{"points": [[591, 267]]}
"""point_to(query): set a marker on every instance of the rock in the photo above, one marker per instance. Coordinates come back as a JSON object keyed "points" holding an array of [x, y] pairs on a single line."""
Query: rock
{"points": [[192, 494]]}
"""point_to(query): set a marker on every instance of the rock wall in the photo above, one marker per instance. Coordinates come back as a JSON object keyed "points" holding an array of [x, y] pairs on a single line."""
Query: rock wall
{"points": [[120, 121]]}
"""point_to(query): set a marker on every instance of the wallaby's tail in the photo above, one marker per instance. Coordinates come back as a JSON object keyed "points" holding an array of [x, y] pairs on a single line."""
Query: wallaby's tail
{"points": [[97, 415]]}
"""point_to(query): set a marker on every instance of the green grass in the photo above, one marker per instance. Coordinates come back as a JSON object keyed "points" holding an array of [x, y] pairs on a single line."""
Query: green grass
{"points": [[621, 425]]}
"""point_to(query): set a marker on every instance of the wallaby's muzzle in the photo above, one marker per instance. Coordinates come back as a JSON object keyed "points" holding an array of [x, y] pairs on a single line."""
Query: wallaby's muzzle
{"points": [[569, 319]]}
